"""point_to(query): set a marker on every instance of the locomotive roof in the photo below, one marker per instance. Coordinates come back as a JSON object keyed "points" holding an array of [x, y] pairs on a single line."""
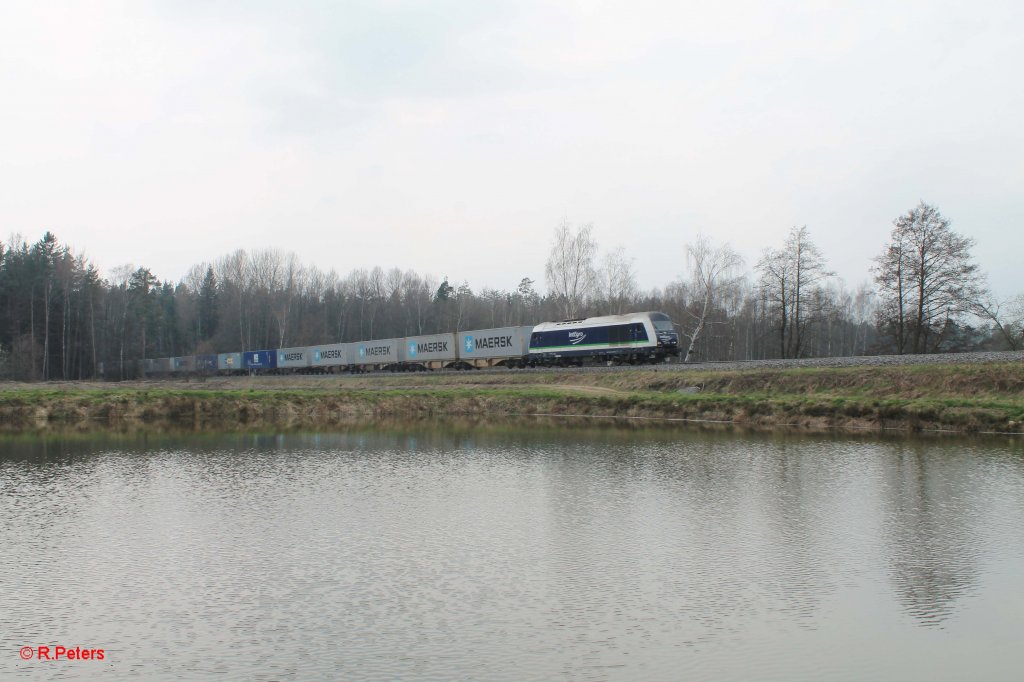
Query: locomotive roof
{"points": [[602, 320]]}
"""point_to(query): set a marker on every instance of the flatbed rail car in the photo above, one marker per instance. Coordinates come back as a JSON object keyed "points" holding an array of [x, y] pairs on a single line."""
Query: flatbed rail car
{"points": [[615, 339]]}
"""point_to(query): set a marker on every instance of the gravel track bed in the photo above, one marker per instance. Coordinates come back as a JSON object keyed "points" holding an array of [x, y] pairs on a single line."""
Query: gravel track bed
{"points": [[853, 361], [859, 360]]}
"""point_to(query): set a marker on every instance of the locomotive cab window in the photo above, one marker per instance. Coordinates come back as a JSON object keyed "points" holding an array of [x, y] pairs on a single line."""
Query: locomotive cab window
{"points": [[661, 322]]}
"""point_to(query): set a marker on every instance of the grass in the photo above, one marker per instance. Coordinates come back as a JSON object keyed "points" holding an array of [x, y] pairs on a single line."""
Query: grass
{"points": [[987, 397]]}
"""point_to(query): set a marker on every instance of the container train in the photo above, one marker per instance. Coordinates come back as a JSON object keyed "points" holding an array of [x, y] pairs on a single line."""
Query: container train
{"points": [[614, 339]]}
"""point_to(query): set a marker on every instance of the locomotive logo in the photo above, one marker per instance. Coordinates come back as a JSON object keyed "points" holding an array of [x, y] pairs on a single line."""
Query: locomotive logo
{"points": [[469, 344], [412, 349], [577, 337]]}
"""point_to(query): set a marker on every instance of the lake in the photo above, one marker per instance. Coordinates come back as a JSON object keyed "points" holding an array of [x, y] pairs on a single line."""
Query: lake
{"points": [[527, 551]]}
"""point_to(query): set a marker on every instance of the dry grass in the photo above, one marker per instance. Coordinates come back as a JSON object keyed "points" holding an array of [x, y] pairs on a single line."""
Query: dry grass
{"points": [[987, 397]]}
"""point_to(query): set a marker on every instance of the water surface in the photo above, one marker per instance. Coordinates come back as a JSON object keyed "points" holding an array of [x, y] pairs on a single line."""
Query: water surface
{"points": [[535, 551]]}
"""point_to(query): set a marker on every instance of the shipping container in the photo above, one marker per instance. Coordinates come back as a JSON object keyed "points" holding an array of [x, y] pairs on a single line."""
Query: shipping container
{"points": [[162, 365], [490, 347], [433, 352], [259, 359], [330, 357], [229, 362], [206, 363], [377, 354], [293, 358], [183, 363]]}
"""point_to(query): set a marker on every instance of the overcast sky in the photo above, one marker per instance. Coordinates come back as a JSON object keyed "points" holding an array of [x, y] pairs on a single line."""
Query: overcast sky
{"points": [[453, 137]]}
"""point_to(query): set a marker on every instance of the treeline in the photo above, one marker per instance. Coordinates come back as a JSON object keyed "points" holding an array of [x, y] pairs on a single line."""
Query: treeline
{"points": [[60, 318]]}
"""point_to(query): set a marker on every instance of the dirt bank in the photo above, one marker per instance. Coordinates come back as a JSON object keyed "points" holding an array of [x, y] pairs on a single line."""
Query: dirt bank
{"points": [[967, 398]]}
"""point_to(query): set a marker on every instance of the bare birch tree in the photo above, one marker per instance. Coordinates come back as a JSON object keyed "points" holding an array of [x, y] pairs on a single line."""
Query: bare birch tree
{"points": [[712, 268], [618, 279], [570, 267]]}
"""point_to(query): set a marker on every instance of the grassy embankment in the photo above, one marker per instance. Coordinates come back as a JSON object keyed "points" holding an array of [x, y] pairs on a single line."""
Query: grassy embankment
{"points": [[964, 398]]}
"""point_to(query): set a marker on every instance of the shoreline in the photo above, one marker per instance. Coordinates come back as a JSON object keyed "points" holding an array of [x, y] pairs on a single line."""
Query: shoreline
{"points": [[971, 398]]}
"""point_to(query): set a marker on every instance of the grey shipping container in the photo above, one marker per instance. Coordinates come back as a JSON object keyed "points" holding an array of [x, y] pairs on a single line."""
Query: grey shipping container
{"points": [[184, 363], [488, 347], [381, 352], [163, 365], [293, 358], [331, 355], [434, 351]]}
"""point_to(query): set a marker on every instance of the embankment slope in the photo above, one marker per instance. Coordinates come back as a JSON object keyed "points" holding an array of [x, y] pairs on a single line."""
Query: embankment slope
{"points": [[978, 397]]}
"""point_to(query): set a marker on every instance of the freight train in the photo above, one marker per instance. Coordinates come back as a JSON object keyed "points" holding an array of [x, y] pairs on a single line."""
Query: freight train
{"points": [[613, 339]]}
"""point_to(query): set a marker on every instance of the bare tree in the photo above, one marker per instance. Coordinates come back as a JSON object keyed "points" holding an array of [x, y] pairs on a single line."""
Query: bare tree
{"points": [[926, 280], [712, 268], [776, 284], [1007, 317], [570, 267], [786, 276], [618, 279], [808, 270]]}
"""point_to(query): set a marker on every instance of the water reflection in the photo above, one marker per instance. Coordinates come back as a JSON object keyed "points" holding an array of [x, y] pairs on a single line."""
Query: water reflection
{"points": [[461, 550], [932, 529]]}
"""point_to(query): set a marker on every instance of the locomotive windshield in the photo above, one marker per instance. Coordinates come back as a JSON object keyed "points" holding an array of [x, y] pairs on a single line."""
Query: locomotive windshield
{"points": [[661, 322]]}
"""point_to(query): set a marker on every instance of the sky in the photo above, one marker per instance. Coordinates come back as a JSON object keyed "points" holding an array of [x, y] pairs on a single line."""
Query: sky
{"points": [[452, 138]]}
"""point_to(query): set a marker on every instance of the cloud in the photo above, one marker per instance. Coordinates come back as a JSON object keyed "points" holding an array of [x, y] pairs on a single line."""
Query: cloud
{"points": [[453, 136]]}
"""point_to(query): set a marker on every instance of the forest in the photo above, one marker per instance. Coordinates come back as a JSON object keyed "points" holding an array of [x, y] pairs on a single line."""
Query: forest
{"points": [[60, 317]]}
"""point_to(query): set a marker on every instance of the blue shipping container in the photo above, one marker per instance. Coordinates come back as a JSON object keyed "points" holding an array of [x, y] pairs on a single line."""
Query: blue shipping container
{"points": [[260, 359], [206, 363]]}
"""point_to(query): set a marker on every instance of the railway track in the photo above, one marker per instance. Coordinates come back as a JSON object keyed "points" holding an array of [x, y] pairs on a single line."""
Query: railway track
{"points": [[851, 361]]}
